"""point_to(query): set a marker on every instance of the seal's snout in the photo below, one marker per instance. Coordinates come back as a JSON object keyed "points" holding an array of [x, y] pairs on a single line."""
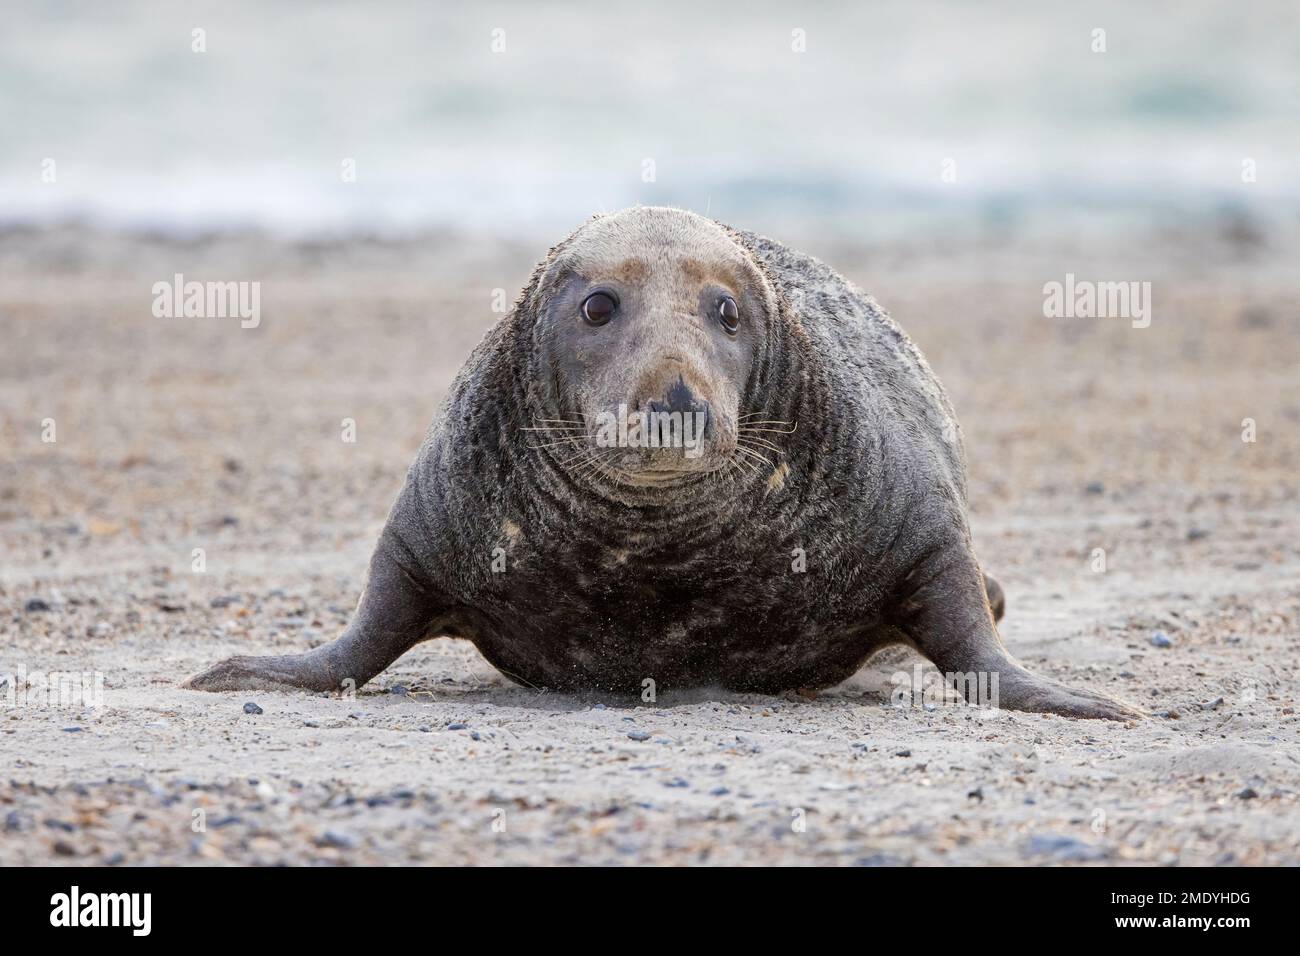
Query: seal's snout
{"points": [[682, 400]]}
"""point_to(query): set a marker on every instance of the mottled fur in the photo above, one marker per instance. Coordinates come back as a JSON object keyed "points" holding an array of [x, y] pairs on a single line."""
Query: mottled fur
{"points": [[616, 573]]}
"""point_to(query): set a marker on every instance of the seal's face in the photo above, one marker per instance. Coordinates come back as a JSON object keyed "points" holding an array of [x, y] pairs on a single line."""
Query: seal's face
{"points": [[652, 323]]}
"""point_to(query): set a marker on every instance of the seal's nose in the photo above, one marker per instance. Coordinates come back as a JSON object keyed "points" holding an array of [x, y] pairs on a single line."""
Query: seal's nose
{"points": [[680, 398]]}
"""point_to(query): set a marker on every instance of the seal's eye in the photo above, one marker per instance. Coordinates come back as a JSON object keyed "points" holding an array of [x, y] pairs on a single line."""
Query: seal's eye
{"points": [[598, 308], [728, 314]]}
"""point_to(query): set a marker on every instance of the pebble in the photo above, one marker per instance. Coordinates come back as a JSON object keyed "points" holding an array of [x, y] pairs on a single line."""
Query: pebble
{"points": [[639, 734], [1161, 639], [1095, 488], [337, 840], [458, 726], [1212, 704], [398, 690], [252, 708], [1247, 793], [1062, 848], [34, 605]]}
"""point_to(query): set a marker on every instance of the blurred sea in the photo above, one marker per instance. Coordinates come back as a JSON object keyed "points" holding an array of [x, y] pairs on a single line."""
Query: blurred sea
{"points": [[849, 138]]}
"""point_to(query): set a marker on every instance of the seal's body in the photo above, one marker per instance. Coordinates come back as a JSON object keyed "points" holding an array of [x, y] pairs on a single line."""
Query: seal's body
{"points": [[820, 518]]}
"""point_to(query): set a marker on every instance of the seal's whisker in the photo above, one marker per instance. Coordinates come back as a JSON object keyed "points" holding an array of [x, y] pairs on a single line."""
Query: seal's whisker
{"points": [[761, 442], [779, 431], [745, 450], [570, 442], [745, 466]]}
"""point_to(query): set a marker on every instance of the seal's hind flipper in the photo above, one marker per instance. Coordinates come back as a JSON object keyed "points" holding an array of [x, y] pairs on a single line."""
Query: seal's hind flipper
{"points": [[997, 597]]}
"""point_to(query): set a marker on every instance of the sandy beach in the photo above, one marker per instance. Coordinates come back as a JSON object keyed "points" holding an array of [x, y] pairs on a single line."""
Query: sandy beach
{"points": [[1086, 438]]}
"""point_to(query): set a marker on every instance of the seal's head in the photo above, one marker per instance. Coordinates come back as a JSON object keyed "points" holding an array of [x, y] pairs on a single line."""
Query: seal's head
{"points": [[650, 324]]}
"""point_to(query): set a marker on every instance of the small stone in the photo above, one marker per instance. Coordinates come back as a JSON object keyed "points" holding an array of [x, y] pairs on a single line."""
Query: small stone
{"points": [[252, 708], [1196, 534], [902, 753], [458, 726], [1064, 848], [64, 849], [13, 822], [35, 605], [976, 794], [1248, 793], [337, 840], [398, 690], [639, 735], [1094, 488], [1161, 639], [1212, 704], [719, 792]]}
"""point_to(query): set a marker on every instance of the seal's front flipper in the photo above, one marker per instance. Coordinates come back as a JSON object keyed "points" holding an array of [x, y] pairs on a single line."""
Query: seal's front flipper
{"points": [[949, 619], [396, 612]]}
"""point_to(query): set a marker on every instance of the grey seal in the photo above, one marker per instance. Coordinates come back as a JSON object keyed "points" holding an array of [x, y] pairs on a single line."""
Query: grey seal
{"points": [[692, 456]]}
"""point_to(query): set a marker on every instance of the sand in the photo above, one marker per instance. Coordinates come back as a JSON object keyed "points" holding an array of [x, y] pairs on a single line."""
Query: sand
{"points": [[177, 434]]}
